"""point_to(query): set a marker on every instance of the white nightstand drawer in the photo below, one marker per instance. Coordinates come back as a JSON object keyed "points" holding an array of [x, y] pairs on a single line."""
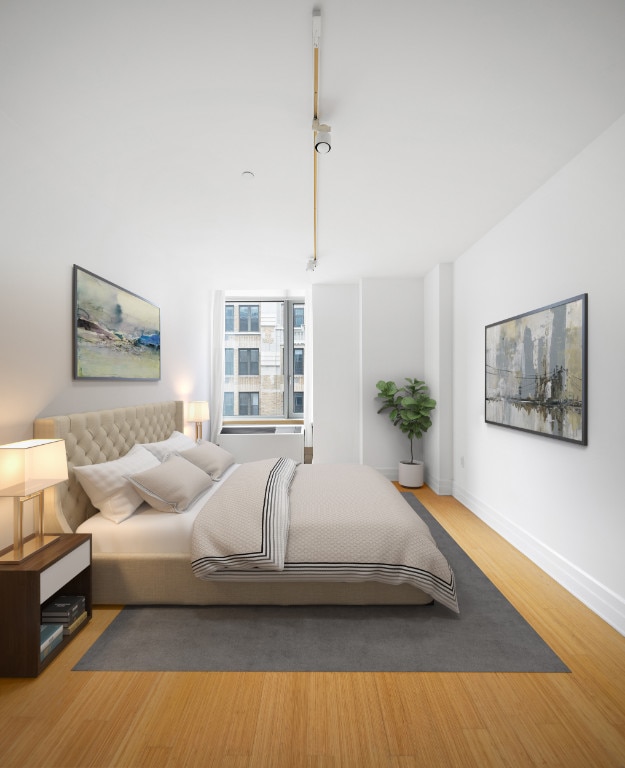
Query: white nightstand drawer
{"points": [[64, 570]]}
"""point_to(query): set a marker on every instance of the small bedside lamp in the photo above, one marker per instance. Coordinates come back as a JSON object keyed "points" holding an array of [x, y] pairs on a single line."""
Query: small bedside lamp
{"points": [[198, 412], [26, 469]]}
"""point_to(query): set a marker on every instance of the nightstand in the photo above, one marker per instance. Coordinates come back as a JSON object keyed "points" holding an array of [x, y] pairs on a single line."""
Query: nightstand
{"points": [[62, 567]]}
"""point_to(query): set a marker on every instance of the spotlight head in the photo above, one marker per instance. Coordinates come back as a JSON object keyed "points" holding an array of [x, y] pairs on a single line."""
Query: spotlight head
{"points": [[311, 264], [322, 137], [322, 142]]}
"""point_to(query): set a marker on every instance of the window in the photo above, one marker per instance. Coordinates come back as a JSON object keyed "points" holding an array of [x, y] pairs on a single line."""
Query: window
{"points": [[229, 361], [248, 403], [298, 402], [229, 318], [228, 403], [274, 353], [298, 361], [248, 318], [298, 316], [248, 362]]}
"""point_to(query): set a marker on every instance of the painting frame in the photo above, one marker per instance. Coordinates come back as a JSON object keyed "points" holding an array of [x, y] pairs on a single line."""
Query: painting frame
{"points": [[536, 371], [116, 333]]}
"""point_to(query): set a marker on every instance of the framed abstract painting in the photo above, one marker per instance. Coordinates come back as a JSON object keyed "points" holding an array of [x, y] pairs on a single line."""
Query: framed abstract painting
{"points": [[536, 371], [117, 334]]}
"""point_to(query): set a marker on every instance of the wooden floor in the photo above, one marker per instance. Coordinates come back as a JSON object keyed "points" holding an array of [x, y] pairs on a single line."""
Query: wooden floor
{"points": [[351, 720]]}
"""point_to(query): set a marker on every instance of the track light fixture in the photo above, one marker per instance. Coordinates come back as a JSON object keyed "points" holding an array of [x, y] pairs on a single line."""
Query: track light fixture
{"points": [[322, 137], [321, 132]]}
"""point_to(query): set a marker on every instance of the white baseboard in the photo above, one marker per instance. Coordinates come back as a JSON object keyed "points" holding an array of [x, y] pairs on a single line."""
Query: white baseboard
{"points": [[601, 600]]}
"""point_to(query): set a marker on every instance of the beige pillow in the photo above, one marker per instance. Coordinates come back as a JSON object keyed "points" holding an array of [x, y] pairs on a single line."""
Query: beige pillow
{"points": [[175, 442], [210, 458], [173, 486]]}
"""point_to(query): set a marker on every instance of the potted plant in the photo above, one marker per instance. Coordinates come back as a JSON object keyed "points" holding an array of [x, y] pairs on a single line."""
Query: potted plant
{"points": [[409, 409]]}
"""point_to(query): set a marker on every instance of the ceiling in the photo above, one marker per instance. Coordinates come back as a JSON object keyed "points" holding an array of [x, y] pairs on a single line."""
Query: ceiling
{"points": [[445, 116]]}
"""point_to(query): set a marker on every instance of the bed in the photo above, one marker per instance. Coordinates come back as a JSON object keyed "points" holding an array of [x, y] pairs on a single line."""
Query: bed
{"points": [[152, 556]]}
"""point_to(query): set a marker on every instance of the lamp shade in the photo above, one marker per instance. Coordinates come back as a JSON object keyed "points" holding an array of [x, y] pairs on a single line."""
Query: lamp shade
{"points": [[197, 411], [31, 465]]}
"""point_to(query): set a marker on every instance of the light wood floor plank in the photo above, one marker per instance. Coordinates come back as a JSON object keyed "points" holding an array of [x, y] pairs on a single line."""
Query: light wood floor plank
{"points": [[67, 719]]}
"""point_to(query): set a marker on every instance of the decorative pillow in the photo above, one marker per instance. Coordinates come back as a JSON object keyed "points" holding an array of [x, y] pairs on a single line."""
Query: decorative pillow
{"points": [[210, 458], [107, 486], [175, 442], [172, 486]]}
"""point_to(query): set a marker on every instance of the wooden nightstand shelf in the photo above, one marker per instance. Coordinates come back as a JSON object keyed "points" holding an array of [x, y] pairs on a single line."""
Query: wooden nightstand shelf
{"points": [[63, 567]]}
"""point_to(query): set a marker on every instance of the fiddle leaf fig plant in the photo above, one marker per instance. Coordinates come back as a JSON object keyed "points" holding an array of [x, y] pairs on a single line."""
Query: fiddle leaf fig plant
{"points": [[408, 406]]}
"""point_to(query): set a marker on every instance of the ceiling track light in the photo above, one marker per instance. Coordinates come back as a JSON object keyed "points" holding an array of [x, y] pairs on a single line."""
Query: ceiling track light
{"points": [[321, 132]]}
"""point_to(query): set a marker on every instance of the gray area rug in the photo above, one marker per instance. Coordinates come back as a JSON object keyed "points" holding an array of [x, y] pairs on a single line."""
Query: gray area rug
{"points": [[489, 635]]}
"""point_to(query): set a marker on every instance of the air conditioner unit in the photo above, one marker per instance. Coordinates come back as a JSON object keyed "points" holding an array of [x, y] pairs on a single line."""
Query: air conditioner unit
{"points": [[265, 441]]}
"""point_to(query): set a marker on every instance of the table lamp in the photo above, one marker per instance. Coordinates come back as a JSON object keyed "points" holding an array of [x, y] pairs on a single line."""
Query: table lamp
{"points": [[198, 412], [26, 469]]}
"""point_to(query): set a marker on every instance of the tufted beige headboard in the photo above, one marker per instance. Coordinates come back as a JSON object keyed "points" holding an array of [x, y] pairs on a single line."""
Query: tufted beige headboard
{"points": [[94, 437]]}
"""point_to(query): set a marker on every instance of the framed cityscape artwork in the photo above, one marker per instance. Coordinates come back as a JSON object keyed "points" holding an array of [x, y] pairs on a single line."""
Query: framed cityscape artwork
{"points": [[536, 371], [117, 334]]}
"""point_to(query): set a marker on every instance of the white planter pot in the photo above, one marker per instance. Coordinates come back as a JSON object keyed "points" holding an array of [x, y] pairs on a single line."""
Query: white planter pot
{"points": [[411, 475]]}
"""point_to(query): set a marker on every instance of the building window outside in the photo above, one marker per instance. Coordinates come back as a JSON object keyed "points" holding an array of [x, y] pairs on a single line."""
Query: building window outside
{"points": [[298, 361], [228, 403], [298, 315], [229, 361], [265, 339], [229, 318], [298, 402], [248, 318], [248, 403], [248, 362]]}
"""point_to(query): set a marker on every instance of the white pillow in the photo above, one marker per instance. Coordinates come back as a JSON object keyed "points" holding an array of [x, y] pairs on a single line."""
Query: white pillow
{"points": [[107, 486], [172, 486], [175, 442], [209, 457]]}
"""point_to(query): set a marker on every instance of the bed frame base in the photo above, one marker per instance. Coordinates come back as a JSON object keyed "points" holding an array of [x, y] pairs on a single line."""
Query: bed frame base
{"points": [[169, 580]]}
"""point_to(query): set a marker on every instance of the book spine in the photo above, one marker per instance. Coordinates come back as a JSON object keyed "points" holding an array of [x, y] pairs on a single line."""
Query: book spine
{"points": [[58, 618], [69, 630], [66, 605], [49, 648], [58, 632]]}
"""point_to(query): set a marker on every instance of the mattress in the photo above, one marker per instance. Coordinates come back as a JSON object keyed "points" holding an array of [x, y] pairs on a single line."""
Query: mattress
{"points": [[148, 531]]}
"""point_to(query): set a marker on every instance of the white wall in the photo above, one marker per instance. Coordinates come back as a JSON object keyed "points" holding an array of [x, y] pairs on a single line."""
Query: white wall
{"points": [[438, 345], [364, 332], [49, 224], [336, 374], [392, 349], [560, 503]]}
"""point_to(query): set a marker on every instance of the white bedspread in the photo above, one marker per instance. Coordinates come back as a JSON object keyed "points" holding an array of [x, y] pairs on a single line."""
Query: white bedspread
{"points": [[346, 523]]}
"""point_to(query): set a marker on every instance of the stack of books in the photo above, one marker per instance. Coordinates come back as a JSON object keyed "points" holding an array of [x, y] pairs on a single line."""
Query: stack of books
{"points": [[68, 610], [50, 636]]}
